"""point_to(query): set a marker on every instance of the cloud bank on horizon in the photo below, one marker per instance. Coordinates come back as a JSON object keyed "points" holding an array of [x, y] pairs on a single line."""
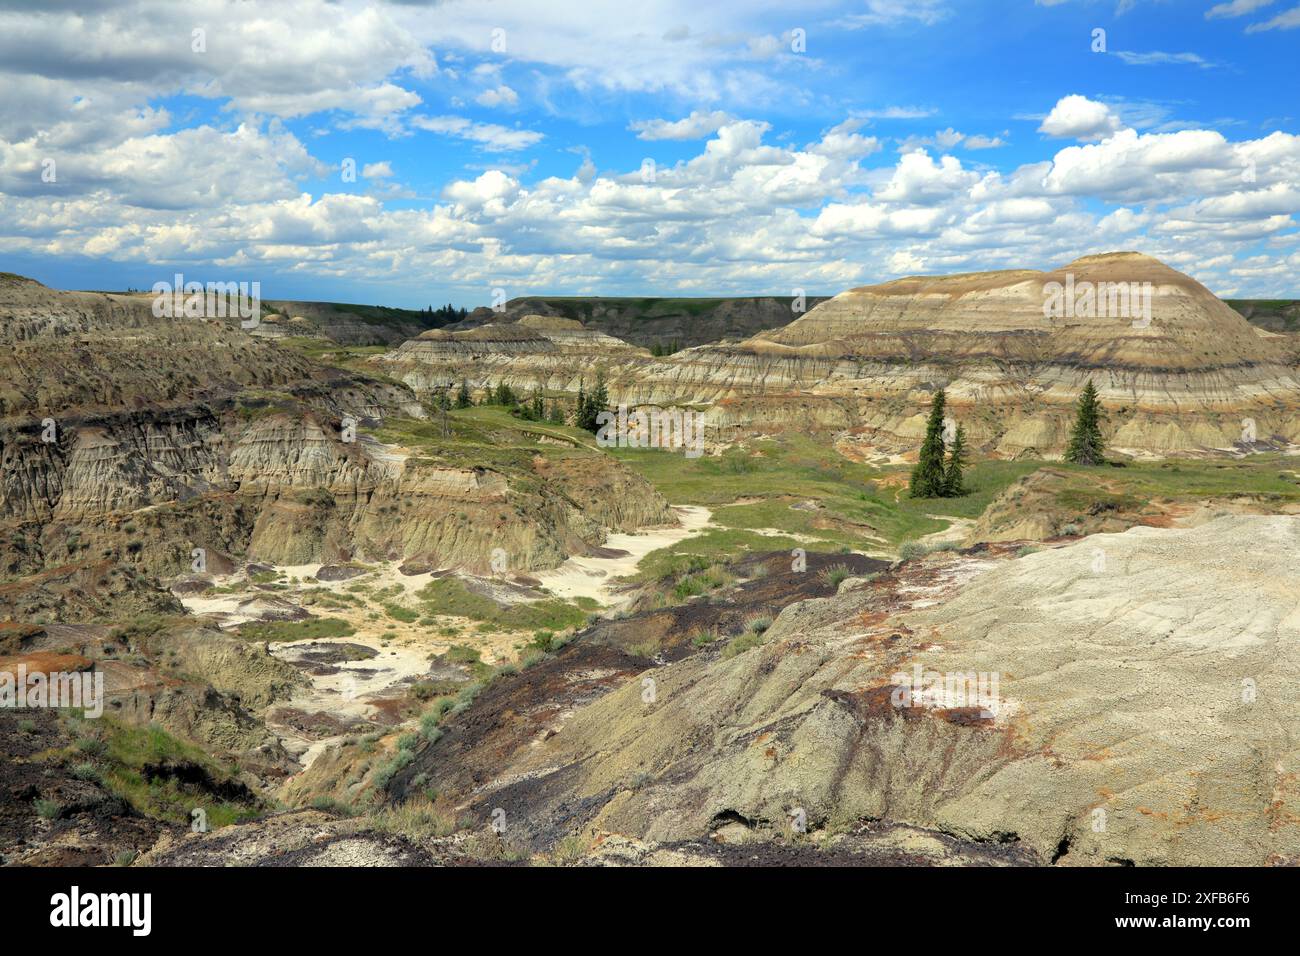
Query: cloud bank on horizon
{"points": [[417, 151]]}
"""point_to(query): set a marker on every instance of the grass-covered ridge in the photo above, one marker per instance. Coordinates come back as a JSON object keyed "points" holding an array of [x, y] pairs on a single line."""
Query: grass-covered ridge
{"points": [[647, 307]]}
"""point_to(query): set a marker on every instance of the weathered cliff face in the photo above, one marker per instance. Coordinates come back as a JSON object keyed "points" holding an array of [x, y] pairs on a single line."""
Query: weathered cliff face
{"points": [[1132, 707], [137, 440], [553, 354], [379, 503], [1177, 370]]}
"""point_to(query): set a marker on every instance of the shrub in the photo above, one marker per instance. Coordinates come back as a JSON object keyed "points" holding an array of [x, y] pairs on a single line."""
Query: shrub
{"points": [[48, 809], [92, 746], [331, 805], [385, 774], [833, 576], [570, 849], [460, 654], [703, 638], [745, 642], [417, 819], [911, 550], [86, 771]]}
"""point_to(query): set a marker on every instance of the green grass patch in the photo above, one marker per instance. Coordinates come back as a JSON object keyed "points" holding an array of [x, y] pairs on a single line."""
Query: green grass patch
{"points": [[449, 596], [702, 551], [162, 776], [745, 642], [316, 628], [857, 510], [404, 614]]}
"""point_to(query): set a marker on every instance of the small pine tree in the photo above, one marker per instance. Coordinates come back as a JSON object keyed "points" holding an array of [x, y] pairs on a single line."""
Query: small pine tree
{"points": [[463, 397], [928, 476], [557, 414], [1086, 445], [444, 406], [591, 405], [953, 484]]}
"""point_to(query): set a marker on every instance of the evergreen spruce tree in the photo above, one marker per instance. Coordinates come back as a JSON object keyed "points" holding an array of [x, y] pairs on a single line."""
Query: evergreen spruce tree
{"points": [[599, 399], [928, 476], [1086, 445], [463, 397], [444, 406], [590, 405], [953, 485]]}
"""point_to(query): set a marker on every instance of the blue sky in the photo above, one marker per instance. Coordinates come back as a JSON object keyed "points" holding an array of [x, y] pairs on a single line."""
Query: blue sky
{"points": [[504, 144]]}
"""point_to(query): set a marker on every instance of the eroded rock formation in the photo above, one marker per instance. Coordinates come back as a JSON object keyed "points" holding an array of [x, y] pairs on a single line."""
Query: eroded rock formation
{"points": [[1140, 710], [139, 439], [1177, 370]]}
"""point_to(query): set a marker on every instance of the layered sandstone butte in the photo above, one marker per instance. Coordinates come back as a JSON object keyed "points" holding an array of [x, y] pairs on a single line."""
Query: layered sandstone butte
{"points": [[1195, 376], [1183, 378], [535, 352]]}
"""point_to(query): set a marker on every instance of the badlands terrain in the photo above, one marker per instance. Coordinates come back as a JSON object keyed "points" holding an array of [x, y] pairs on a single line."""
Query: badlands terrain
{"points": [[346, 617]]}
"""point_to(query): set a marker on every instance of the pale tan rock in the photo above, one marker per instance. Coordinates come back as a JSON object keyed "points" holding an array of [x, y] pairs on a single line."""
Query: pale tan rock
{"points": [[1157, 686]]}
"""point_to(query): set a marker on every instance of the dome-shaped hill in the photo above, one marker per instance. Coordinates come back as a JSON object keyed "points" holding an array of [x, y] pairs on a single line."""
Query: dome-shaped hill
{"points": [[1176, 367], [1106, 311]]}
